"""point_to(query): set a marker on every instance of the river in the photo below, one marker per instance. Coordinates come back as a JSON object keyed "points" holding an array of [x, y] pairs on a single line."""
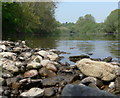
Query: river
{"points": [[97, 46]]}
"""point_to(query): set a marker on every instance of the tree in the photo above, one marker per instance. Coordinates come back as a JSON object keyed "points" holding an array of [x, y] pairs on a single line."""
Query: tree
{"points": [[112, 22], [86, 24], [21, 18]]}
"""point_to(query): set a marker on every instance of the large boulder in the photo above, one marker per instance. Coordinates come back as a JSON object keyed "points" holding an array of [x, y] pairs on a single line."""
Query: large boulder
{"points": [[98, 69], [80, 90]]}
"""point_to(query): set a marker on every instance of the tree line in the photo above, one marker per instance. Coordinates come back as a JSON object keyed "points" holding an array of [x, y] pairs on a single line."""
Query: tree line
{"points": [[87, 24], [20, 19]]}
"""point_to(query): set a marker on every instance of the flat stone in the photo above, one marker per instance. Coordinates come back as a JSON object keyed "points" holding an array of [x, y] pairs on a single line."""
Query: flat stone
{"points": [[33, 92], [98, 69], [77, 58]]}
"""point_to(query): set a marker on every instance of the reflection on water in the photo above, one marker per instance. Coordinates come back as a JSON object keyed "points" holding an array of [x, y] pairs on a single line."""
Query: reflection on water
{"points": [[42, 42], [101, 47]]}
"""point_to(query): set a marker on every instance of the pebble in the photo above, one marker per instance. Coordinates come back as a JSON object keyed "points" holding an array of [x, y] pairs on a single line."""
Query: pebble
{"points": [[31, 73], [33, 64], [33, 92], [46, 73]]}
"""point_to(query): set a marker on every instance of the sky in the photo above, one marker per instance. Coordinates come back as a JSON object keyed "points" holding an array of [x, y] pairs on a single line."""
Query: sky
{"points": [[71, 11]]}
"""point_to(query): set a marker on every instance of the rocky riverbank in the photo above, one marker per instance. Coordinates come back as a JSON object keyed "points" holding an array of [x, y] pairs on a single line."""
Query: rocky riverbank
{"points": [[38, 72]]}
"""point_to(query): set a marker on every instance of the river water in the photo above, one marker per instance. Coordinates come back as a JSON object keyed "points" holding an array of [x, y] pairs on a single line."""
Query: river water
{"points": [[98, 46]]}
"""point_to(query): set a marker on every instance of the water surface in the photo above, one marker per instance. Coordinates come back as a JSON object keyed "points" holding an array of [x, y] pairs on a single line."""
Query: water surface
{"points": [[98, 46]]}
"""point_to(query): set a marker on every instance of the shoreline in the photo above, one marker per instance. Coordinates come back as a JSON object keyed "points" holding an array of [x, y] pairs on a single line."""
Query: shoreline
{"points": [[24, 68]]}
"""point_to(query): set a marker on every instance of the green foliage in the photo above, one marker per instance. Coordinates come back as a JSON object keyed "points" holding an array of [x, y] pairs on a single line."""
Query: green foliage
{"points": [[112, 21], [20, 18], [86, 24]]}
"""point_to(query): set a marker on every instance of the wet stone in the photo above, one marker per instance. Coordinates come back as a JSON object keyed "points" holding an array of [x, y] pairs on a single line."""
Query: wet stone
{"points": [[77, 58], [108, 59]]}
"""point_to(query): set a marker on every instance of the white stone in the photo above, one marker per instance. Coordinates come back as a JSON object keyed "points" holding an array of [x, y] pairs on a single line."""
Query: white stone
{"points": [[3, 47], [43, 53], [112, 85], [33, 92]]}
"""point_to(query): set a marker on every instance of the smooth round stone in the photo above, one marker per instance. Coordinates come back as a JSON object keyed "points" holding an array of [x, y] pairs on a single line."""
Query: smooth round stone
{"points": [[34, 92], [31, 73], [51, 67]]}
